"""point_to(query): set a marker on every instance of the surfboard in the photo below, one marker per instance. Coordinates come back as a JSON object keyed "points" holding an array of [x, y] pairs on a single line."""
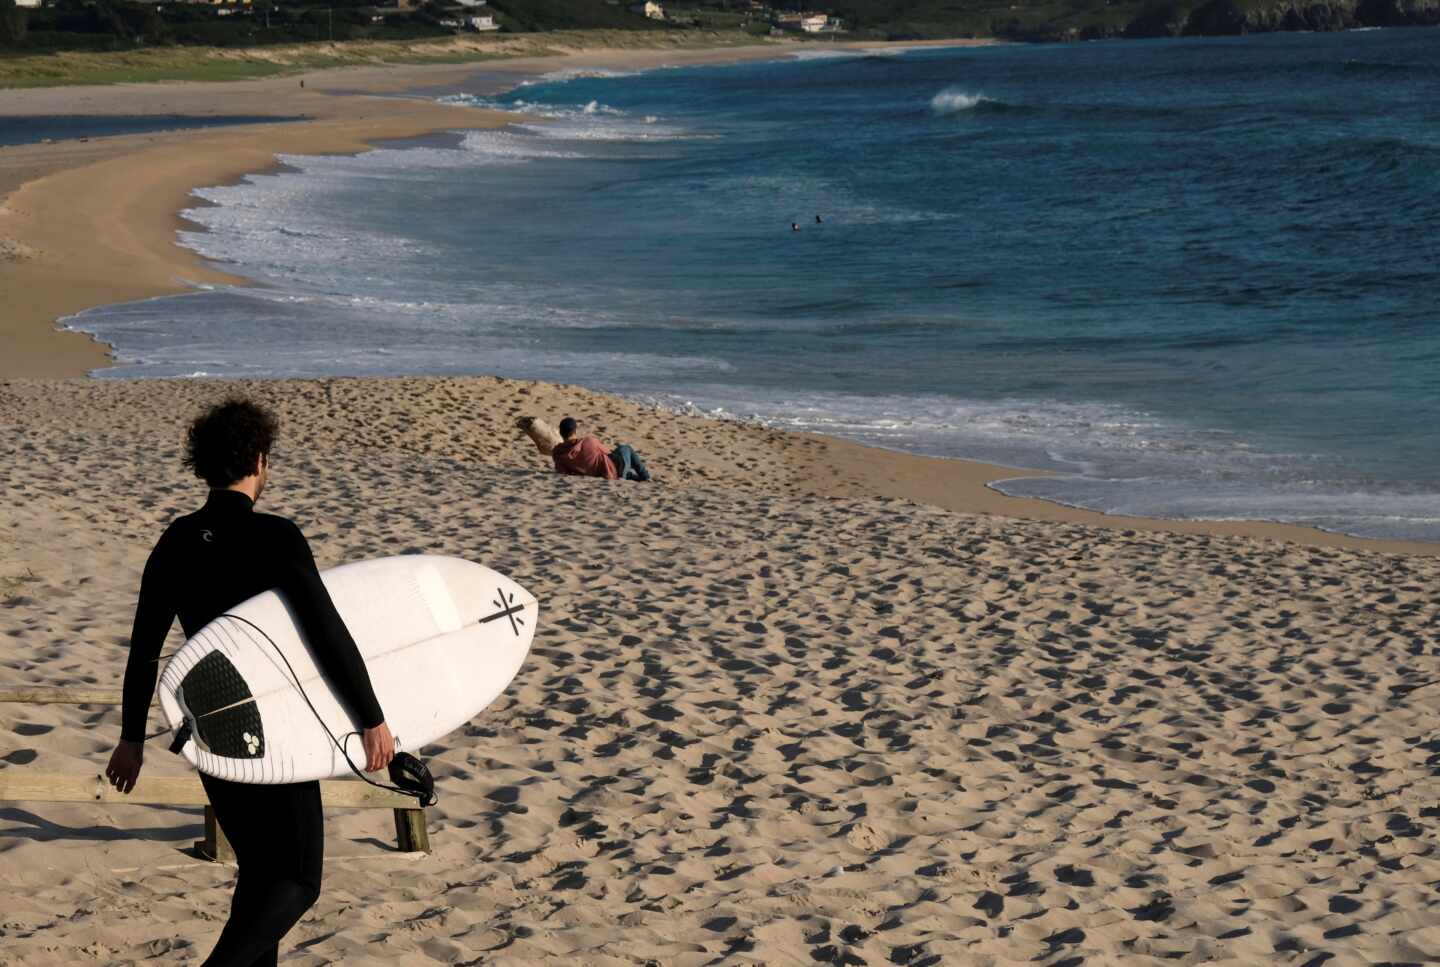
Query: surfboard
{"points": [[440, 636]]}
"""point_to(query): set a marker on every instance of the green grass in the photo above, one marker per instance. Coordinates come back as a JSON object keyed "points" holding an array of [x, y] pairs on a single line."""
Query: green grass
{"points": [[44, 70], [709, 18], [156, 64]]}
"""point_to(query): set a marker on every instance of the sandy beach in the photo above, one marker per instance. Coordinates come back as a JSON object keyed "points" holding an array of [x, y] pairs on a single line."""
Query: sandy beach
{"points": [[758, 725], [796, 701]]}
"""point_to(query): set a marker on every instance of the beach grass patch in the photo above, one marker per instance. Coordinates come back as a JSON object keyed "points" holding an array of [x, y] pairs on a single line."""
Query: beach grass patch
{"points": [[159, 64]]}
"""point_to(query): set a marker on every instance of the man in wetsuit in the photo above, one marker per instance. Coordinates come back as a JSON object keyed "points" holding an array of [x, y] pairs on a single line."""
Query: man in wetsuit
{"points": [[206, 563]]}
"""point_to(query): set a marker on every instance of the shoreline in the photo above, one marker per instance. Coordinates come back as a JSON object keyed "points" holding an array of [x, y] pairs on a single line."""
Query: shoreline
{"points": [[128, 244], [113, 205], [118, 199]]}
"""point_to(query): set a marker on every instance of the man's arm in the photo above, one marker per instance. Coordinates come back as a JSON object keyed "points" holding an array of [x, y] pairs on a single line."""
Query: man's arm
{"points": [[334, 649], [154, 613], [598, 459]]}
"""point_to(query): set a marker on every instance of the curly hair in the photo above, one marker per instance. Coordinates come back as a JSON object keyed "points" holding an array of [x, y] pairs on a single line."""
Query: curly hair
{"points": [[225, 442]]}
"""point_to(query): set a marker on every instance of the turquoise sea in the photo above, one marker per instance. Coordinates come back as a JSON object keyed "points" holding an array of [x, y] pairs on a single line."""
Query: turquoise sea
{"points": [[1198, 278]]}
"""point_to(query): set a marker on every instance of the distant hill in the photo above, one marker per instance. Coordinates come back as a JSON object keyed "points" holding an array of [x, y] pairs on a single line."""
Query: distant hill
{"points": [[1056, 20]]}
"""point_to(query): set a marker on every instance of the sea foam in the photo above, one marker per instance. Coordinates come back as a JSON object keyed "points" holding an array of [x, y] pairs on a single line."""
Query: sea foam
{"points": [[953, 100]]}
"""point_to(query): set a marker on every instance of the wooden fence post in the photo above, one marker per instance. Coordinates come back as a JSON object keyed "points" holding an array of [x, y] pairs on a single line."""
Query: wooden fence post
{"points": [[410, 832], [214, 846]]}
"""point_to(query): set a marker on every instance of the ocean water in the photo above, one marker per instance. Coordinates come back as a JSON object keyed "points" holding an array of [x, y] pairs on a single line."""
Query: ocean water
{"points": [[1194, 278]]}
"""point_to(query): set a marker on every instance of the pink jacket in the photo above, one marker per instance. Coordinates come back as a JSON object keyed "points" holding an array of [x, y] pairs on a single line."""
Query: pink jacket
{"points": [[585, 457]]}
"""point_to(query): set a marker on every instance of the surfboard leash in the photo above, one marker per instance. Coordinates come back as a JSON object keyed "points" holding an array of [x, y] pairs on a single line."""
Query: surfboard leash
{"points": [[410, 768]]}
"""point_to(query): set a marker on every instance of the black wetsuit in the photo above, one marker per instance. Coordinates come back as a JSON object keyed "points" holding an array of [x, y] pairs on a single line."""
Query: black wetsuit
{"points": [[204, 564]]}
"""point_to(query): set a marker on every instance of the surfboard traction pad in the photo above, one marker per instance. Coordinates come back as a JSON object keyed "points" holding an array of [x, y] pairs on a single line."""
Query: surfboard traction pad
{"points": [[234, 731]]}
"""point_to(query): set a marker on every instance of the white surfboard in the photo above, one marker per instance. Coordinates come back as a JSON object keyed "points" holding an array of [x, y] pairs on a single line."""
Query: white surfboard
{"points": [[441, 638]]}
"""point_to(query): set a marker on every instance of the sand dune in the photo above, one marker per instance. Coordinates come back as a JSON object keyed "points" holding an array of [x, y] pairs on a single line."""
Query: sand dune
{"points": [[757, 726]]}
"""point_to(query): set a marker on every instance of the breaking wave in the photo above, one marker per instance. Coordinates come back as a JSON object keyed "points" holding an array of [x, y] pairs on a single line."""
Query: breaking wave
{"points": [[953, 101]]}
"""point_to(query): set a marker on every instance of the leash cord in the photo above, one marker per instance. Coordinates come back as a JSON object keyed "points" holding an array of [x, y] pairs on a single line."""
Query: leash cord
{"points": [[336, 742]]}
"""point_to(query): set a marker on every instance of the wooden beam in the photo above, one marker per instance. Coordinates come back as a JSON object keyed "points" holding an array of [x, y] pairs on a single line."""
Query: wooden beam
{"points": [[41, 695], [345, 793], [24, 784]]}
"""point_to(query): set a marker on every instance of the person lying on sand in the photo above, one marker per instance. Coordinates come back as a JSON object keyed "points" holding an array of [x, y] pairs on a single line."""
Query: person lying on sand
{"points": [[586, 457]]}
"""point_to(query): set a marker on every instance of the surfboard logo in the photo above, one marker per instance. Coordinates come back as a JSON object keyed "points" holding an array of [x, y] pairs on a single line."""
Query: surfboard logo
{"points": [[508, 609]]}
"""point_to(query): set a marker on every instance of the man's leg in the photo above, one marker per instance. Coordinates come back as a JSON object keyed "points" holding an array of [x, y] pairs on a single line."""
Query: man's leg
{"points": [[621, 457], [628, 462], [637, 466], [278, 835]]}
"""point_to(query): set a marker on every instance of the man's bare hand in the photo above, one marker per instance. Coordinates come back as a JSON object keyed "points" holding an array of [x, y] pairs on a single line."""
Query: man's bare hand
{"points": [[379, 747], [124, 767]]}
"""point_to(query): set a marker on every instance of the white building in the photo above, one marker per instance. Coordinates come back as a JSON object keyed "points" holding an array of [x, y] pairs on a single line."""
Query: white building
{"points": [[481, 24], [27, 3], [810, 23], [650, 9]]}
